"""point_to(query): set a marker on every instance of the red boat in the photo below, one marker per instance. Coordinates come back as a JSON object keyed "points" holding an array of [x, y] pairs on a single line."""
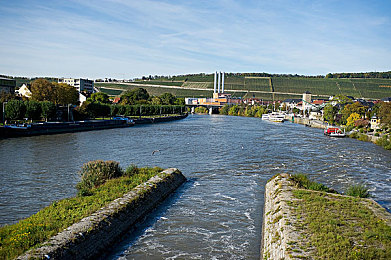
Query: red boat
{"points": [[334, 132]]}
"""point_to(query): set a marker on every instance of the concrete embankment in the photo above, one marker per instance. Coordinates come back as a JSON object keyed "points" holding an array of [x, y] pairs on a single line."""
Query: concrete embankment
{"points": [[92, 235], [352, 225]]}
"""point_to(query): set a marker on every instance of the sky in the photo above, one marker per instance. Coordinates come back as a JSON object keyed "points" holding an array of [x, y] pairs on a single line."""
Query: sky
{"points": [[127, 39]]}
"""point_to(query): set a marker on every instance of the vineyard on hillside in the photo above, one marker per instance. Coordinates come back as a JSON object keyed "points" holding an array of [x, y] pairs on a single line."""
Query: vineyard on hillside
{"points": [[261, 87]]}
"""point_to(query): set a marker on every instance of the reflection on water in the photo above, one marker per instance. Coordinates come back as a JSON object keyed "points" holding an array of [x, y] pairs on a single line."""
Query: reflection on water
{"points": [[228, 159]]}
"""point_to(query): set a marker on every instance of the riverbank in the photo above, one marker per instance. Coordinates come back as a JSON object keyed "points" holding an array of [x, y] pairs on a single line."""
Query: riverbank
{"points": [[92, 235], [301, 223], [47, 128]]}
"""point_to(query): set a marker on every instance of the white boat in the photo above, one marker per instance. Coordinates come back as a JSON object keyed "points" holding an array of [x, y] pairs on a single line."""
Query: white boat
{"points": [[265, 117], [277, 117]]}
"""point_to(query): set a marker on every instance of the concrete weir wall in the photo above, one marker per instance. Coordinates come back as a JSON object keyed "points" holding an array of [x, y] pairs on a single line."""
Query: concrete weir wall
{"points": [[281, 240], [92, 235]]}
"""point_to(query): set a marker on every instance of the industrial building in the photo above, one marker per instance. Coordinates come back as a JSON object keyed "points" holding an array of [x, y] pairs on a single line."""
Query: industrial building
{"points": [[7, 85]]}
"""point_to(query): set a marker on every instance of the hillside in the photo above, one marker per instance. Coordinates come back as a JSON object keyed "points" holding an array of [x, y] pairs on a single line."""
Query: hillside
{"points": [[262, 87]]}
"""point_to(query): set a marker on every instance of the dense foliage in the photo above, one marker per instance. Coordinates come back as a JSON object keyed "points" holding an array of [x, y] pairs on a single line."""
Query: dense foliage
{"points": [[57, 93], [243, 110]]}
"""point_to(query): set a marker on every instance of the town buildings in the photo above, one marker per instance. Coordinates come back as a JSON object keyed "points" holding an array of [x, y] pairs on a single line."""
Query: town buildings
{"points": [[82, 85]]}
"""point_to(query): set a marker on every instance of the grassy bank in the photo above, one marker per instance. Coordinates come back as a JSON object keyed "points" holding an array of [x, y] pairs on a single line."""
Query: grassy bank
{"points": [[341, 227], [31, 232]]}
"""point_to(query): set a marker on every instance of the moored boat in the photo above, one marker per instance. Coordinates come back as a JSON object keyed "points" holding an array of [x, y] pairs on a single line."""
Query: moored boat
{"points": [[274, 117], [333, 131]]}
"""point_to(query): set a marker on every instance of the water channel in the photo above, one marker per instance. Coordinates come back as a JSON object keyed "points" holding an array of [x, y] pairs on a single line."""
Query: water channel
{"points": [[218, 213]]}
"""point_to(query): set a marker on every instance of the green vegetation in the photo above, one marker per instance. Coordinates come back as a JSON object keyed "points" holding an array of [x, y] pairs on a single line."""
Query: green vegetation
{"points": [[341, 227], [385, 142], [34, 110], [243, 110], [201, 110], [358, 190], [249, 82], [31, 232], [302, 181], [155, 91]]}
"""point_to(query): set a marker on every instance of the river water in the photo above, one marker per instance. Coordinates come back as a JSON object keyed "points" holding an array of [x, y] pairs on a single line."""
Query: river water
{"points": [[217, 214]]}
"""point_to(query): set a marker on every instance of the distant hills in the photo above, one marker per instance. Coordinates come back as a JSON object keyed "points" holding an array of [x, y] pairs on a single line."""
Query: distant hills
{"points": [[369, 85]]}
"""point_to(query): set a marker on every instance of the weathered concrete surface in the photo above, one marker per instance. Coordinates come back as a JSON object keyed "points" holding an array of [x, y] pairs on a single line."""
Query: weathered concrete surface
{"points": [[92, 235], [281, 240]]}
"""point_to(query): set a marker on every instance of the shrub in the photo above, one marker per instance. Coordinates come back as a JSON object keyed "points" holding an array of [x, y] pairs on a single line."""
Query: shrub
{"points": [[302, 181], [363, 137], [359, 190], [377, 134], [201, 110], [354, 135], [95, 173], [132, 170]]}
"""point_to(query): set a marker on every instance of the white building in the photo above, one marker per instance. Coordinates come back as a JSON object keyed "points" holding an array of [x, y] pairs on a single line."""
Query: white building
{"points": [[23, 91], [81, 85]]}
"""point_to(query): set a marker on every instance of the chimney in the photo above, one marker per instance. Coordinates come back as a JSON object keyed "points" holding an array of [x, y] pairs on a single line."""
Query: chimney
{"points": [[218, 83], [214, 83], [222, 85]]}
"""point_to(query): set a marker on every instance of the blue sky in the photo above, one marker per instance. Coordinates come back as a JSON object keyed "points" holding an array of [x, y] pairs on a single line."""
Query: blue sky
{"points": [[128, 39]]}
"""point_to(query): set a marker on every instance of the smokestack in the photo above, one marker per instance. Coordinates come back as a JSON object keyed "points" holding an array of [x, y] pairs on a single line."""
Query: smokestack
{"points": [[222, 85], [219, 81], [214, 83]]}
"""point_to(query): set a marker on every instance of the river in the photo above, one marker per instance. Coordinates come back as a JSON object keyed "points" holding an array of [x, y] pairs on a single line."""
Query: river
{"points": [[217, 214]]}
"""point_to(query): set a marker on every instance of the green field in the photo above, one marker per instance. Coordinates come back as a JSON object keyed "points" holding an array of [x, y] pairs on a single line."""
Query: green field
{"points": [[261, 87]]}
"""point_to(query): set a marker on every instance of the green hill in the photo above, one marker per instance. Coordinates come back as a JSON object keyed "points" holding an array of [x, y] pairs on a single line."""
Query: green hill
{"points": [[281, 87]]}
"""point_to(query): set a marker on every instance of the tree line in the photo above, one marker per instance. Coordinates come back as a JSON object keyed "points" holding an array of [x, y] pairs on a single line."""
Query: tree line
{"points": [[366, 75]]}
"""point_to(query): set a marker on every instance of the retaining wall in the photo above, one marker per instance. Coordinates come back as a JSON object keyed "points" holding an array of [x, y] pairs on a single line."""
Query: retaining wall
{"points": [[92, 235]]}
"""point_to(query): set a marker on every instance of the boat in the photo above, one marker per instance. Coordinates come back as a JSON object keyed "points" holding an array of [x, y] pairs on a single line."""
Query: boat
{"points": [[63, 127], [333, 131], [277, 117], [274, 117]]}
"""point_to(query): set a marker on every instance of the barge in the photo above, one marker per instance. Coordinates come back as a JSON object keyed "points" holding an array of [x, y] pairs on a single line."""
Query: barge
{"points": [[64, 127]]}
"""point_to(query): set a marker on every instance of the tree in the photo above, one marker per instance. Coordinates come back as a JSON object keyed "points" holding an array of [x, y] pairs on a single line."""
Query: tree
{"points": [[134, 96], [65, 94], [342, 99], [329, 113], [168, 99], [156, 101], [33, 110], [385, 113], [15, 109], [352, 119], [353, 108], [179, 101], [100, 97], [42, 90], [48, 110]]}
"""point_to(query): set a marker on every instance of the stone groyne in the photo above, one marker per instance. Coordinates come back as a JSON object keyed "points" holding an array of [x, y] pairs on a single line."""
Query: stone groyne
{"points": [[287, 236], [280, 238], [90, 237]]}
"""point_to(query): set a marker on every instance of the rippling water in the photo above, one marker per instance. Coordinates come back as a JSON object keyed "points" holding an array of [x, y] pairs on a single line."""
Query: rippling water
{"points": [[218, 213]]}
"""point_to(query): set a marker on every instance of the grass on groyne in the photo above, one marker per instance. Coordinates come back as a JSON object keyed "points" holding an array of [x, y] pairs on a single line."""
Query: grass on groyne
{"points": [[341, 227], [33, 231]]}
